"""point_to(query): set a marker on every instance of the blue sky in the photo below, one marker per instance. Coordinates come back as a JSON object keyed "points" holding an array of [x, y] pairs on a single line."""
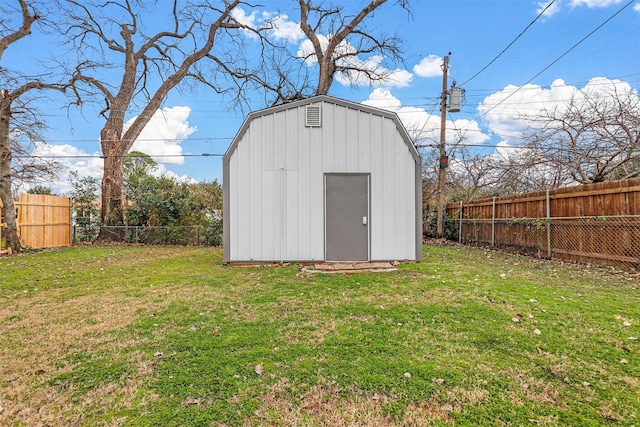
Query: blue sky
{"points": [[551, 58]]}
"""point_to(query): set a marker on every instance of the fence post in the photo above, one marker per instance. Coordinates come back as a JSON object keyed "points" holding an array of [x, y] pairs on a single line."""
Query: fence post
{"points": [[475, 230], [548, 225], [460, 224], [493, 222]]}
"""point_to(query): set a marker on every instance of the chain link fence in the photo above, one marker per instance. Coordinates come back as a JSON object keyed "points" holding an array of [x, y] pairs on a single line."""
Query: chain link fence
{"points": [[163, 235], [85, 231], [603, 240]]}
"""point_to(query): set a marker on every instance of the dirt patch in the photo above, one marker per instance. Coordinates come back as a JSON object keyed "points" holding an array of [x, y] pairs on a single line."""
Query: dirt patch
{"points": [[351, 267]]}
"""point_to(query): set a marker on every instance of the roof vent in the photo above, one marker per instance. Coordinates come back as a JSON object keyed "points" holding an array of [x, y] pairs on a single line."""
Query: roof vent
{"points": [[313, 117]]}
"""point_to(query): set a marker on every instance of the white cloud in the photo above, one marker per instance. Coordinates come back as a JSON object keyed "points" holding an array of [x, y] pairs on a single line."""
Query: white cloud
{"points": [[71, 159], [248, 20], [307, 52], [431, 66], [392, 78], [241, 16], [397, 78], [163, 134], [424, 127], [279, 25], [594, 3], [552, 10], [504, 150], [283, 29], [163, 171], [604, 87], [382, 98], [506, 112]]}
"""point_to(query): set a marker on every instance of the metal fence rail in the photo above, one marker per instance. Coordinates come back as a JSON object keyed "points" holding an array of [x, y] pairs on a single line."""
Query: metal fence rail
{"points": [[604, 240]]}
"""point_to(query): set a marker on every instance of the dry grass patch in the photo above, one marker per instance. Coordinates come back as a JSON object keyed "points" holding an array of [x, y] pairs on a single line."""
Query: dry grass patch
{"points": [[39, 345], [45, 331], [323, 404], [311, 330], [443, 405], [327, 404]]}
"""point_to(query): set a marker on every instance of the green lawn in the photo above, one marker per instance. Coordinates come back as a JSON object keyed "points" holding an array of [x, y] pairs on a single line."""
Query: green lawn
{"points": [[168, 336]]}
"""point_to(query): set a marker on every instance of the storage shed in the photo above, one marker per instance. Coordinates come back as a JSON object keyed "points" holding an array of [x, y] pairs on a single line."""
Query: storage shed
{"points": [[322, 179]]}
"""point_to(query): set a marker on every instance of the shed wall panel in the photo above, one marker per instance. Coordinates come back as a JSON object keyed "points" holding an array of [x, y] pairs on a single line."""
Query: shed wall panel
{"points": [[276, 183], [393, 203]]}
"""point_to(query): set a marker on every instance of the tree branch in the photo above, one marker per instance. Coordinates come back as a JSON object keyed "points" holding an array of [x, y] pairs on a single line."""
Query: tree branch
{"points": [[28, 19]]}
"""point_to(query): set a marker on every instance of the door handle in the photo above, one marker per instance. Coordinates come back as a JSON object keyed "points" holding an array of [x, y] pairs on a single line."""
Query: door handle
{"points": [[364, 220]]}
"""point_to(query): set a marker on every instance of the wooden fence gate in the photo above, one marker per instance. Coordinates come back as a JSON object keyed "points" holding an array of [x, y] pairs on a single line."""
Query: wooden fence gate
{"points": [[44, 221]]}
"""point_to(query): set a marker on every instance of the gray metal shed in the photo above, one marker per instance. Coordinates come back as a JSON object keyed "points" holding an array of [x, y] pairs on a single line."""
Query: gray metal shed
{"points": [[322, 179]]}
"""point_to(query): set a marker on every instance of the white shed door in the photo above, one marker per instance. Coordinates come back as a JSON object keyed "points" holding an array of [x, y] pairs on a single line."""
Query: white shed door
{"points": [[347, 217]]}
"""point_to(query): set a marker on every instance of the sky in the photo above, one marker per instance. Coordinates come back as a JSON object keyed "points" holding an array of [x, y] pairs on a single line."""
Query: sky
{"points": [[508, 56]]}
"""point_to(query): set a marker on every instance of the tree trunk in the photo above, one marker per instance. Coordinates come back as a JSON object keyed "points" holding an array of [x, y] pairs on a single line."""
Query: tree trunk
{"points": [[325, 80], [113, 150], [6, 194], [112, 209]]}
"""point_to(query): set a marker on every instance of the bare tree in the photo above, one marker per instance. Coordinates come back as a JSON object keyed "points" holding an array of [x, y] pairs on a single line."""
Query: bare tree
{"points": [[594, 137], [336, 56], [338, 38], [27, 166], [471, 175], [135, 71], [15, 87], [468, 174]]}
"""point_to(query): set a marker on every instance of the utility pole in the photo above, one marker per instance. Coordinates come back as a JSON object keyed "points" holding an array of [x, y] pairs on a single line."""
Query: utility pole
{"points": [[443, 153]]}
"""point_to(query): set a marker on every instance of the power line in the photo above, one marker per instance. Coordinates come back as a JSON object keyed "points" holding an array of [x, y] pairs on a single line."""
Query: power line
{"points": [[99, 156], [221, 138], [560, 57], [471, 93], [434, 145], [510, 44]]}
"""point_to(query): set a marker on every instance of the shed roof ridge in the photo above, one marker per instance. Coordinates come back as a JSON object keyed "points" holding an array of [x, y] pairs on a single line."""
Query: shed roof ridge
{"points": [[392, 115]]}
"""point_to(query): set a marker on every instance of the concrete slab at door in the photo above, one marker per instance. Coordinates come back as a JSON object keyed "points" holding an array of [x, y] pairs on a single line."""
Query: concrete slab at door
{"points": [[347, 217]]}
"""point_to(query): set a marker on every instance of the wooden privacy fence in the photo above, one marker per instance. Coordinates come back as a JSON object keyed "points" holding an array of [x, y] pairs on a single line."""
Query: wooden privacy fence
{"points": [[595, 223], [44, 221]]}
